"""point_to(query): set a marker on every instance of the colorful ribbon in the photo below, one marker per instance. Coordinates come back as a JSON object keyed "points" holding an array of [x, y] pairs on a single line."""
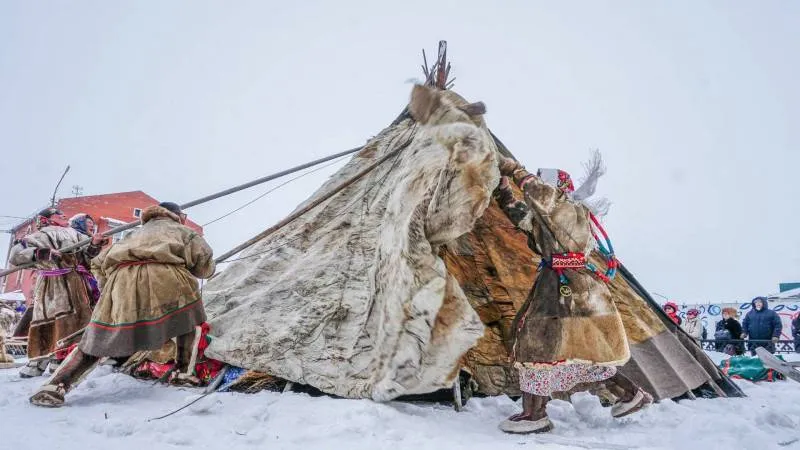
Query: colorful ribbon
{"points": [[88, 278]]}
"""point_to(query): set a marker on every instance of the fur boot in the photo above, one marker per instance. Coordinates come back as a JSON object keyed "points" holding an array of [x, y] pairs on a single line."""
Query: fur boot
{"points": [[639, 401], [74, 369], [523, 426], [34, 369]]}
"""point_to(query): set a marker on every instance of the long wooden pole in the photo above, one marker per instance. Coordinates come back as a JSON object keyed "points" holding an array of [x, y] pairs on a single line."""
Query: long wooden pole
{"points": [[65, 342], [205, 199], [292, 217]]}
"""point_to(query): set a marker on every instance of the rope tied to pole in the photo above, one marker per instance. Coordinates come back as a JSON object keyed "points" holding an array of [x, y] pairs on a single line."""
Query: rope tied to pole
{"points": [[294, 216]]}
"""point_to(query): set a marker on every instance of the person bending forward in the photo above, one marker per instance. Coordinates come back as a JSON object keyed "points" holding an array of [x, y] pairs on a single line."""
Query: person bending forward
{"points": [[149, 295]]}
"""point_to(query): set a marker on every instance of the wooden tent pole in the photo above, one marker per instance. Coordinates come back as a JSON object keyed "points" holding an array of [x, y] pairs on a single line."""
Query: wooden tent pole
{"points": [[205, 199], [292, 217]]}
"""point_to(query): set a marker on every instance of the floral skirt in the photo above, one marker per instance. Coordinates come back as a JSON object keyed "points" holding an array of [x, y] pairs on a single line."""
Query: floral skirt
{"points": [[543, 379]]}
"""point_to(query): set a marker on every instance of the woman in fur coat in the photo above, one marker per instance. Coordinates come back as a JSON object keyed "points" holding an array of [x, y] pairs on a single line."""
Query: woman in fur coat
{"points": [[62, 296], [569, 330]]}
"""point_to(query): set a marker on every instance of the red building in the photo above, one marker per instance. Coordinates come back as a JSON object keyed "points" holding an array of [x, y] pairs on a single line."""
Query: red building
{"points": [[108, 211]]}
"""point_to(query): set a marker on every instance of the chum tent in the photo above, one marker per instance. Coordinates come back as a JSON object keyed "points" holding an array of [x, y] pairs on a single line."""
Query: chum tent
{"points": [[411, 275]]}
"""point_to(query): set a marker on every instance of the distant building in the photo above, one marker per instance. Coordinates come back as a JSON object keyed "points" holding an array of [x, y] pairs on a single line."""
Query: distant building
{"points": [[108, 211], [783, 287]]}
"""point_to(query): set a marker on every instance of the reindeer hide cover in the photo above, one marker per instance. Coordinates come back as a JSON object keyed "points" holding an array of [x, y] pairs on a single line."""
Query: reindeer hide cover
{"points": [[353, 297]]}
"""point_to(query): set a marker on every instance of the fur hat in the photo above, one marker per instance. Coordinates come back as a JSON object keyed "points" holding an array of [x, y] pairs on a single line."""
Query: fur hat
{"points": [[43, 217], [171, 207], [49, 212]]}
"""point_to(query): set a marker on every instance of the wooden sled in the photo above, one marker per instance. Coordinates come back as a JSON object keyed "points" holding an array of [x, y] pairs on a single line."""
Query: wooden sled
{"points": [[787, 369]]}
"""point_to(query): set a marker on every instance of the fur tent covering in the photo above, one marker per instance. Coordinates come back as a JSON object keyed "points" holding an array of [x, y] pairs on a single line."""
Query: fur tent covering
{"points": [[353, 297]]}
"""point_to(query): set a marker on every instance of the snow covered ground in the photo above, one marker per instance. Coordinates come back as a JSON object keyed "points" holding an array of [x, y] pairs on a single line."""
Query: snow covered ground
{"points": [[111, 410]]}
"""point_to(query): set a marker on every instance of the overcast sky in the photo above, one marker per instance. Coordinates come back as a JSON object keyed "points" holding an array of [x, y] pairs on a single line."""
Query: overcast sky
{"points": [[694, 105]]}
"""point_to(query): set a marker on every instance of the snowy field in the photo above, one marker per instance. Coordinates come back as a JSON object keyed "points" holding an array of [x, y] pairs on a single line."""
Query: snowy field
{"points": [[112, 411]]}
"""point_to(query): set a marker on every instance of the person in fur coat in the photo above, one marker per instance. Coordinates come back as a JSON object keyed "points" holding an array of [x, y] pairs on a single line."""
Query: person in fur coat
{"points": [[62, 296], [150, 294], [569, 330]]}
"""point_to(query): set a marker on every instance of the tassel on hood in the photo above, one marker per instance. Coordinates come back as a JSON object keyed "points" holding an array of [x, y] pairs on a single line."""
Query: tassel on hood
{"points": [[594, 169]]}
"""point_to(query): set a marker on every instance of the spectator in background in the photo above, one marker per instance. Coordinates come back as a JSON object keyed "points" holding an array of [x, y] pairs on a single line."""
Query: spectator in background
{"points": [[761, 324], [692, 325], [796, 332], [672, 311], [728, 329]]}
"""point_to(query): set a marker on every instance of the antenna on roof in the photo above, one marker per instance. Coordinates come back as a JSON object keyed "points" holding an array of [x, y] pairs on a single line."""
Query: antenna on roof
{"points": [[438, 74]]}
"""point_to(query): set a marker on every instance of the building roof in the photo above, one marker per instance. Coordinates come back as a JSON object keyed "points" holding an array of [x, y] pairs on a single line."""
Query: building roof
{"points": [[73, 205], [791, 294]]}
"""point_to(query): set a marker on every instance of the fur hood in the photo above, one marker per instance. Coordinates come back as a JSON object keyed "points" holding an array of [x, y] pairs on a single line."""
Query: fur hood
{"points": [[155, 212], [763, 299]]}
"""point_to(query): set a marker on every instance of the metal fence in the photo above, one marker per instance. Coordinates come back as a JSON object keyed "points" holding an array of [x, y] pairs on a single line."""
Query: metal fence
{"points": [[782, 346], [17, 347]]}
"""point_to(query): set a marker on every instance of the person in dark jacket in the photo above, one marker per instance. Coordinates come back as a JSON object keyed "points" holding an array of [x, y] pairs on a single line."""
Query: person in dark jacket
{"points": [[728, 329], [796, 332], [761, 324]]}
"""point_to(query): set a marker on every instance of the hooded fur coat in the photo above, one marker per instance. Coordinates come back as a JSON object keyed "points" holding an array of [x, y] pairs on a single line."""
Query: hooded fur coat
{"points": [[61, 304], [582, 328], [149, 292]]}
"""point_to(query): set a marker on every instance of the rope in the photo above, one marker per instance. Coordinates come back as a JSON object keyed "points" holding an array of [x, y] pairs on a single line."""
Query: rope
{"points": [[294, 216], [296, 238], [272, 190], [212, 388]]}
